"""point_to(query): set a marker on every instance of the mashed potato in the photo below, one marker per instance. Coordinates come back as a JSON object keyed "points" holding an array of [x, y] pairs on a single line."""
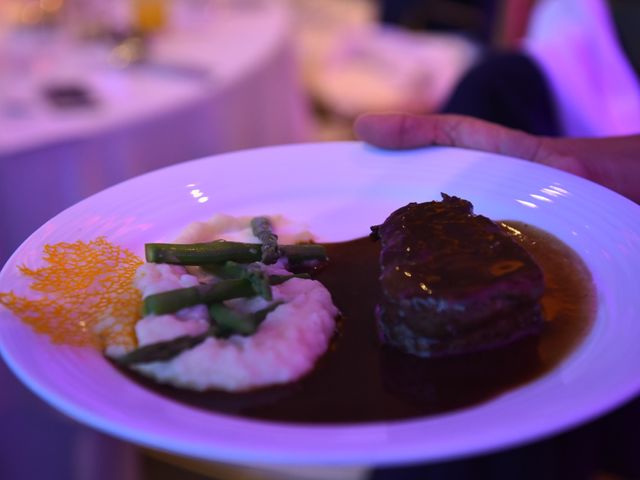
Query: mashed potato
{"points": [[287, 344]]}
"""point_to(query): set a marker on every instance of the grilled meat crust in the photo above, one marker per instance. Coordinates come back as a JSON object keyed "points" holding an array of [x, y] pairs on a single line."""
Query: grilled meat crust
{"points": [[453, 281]]}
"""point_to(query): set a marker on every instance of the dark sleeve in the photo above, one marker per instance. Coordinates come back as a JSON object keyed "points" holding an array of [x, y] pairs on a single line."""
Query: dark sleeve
{"points": [[510, 89]]}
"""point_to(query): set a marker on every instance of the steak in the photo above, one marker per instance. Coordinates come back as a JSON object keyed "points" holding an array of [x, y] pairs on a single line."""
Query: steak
{"points": [[453, 282]]}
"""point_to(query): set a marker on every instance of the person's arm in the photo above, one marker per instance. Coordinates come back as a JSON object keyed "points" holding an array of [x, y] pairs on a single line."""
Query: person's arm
{"points": [[613, 162], [512, 22]]}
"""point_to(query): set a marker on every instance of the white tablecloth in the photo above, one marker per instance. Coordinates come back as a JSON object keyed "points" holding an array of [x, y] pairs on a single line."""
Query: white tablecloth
{"points": [[222, 83]]}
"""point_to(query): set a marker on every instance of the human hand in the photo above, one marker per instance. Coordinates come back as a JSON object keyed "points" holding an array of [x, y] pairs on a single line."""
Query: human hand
{"points": [[403, 131]]}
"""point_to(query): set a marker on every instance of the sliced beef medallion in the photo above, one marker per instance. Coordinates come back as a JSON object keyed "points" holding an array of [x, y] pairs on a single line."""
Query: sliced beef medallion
{"points": [[454, 282]]}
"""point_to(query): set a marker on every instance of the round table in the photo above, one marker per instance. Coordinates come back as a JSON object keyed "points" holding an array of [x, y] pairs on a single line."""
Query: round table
{"points": [[218, 80]]}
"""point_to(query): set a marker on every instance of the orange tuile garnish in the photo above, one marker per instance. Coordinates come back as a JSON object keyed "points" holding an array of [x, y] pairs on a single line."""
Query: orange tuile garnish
{"points": [[87, 296]]}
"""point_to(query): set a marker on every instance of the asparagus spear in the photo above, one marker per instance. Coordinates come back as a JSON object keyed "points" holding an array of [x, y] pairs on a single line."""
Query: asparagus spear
{"points": [[228, 323], [226, 270], [161, 351], [202, 253], [173, 300], [304, 252], [231, 322], [230, 270], [252, 272], [222, 251], [261, 228], [259, 280]]}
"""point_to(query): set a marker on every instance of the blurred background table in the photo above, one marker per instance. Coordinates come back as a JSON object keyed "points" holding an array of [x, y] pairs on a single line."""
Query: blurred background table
{"points": [[77, 116]]}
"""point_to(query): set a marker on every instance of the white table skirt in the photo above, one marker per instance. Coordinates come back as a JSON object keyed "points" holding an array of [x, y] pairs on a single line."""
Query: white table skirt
{"points": [[247, 96]]}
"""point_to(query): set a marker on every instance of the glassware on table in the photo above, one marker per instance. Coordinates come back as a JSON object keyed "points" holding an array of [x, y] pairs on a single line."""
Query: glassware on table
{"points": [[150, 15]]}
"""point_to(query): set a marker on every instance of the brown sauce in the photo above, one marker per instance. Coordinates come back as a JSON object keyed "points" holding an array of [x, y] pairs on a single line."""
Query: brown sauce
{"points": [[360, 381]]}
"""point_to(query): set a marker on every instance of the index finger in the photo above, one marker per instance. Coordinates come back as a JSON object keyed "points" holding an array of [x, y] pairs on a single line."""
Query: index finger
{"points": [[403, 131]]}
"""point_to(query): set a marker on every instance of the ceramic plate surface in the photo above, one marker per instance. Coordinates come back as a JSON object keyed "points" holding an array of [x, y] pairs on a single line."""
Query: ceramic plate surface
{"points": [[340, 189]]}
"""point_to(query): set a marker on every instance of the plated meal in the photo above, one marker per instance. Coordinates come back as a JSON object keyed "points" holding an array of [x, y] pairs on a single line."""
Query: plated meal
{"points": [[397, 364], [247, 315]]}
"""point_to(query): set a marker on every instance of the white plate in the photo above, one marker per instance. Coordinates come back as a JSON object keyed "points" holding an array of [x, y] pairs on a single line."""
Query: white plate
{"points": [[341, 189]]}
